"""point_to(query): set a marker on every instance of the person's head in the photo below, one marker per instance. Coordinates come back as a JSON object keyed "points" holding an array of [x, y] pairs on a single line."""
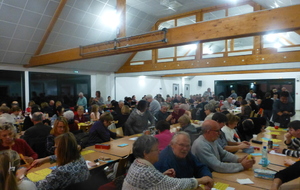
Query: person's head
{"points": [[146, 147], [133, 97], [142, 105], [184, 120], [176, 107], [58, 103], [211, 130], [69, 115], [220, 118], [125, 110], [239, 98], [283, 89], [162, 126], [232, 91], [181, 144], [294, 128], [232, 120], [209, 108], [66, 149], [60, 126], [80, 94], [31, 103], [268, 95], [37, 117], [108, 98], [44, 105], [106, 118], [80, 110], [244, 102], [98, 93], [164, 107], [10, 161], [251, 91], [208, 90], [284, 97], [15, 110], [15, 104], [229, 100], [252, 102], [258, 101], [149, 98], [51, 103], [4, 109], [248, 125], [121, 104], [275, 95], [95, 108], [59, 111], [7, 134], [35, 108]]}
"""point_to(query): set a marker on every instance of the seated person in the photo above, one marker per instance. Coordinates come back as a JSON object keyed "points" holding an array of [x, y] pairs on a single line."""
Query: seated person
{"points": [[36, 136], [229, 129], [222, 141], [95, 114], [60, 126], [210, 153], [138, 120], [185, 124], [164, 135], [286, 175], [79, 117], [163, 114], [292, 144], [99, 132], [73, 127], [143, 175], [59, 111], [122, 118], [8, 179], [245, 110], [179, 157], [247, 128], [8, 140], [15, 113], [177, 113], [209, 110], [71, 166]]}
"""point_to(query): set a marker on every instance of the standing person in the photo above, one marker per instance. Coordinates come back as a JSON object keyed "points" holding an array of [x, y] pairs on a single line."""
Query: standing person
{"points": [[143, 175], [283, 110], [207, 93], [138, 119], [71, 166], [290, 97], [210, 153], [249, 95], [36, 136], [267, 106], [162, 114], [82, 101], [154, 106], [98, 99], [233, 94]]}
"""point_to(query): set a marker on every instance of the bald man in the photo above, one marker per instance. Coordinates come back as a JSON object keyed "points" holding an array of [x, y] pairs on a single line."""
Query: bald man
{"points": [[210, 153]]}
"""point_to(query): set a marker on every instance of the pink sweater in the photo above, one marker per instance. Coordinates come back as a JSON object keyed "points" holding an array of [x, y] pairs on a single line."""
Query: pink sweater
{"points": [[164, 139]]}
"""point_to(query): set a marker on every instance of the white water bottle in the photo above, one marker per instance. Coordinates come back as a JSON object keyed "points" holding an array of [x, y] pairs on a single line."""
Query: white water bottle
{"points": [[264, 158]]}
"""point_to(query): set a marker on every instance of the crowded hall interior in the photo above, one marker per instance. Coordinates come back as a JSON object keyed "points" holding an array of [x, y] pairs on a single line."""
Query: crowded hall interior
{"points": [[149, 94]]}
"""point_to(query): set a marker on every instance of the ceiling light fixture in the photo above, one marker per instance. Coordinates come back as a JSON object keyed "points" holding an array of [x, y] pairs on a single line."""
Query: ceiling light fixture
{"points": [[111, 19]]}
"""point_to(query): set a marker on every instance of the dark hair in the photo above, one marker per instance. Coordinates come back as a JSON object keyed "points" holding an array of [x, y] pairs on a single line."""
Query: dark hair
{"points": [[98, 92], [35, 108], [219, 117], [162, 125], [284, 94], [59, 109], [13, 109], [294, 125], [106, 117], [267, 95], [244, 102], [143, 145], [248, 125], [142, 105]]}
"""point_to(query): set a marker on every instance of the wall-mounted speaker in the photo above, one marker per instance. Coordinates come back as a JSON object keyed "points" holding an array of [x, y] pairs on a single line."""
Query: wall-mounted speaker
{"points": [[199, 82]]}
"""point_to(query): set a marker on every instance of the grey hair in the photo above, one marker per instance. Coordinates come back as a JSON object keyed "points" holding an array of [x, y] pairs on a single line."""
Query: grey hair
{"points": [[37, 116], [164, 104], [209, 107], [80, 94], [149, 96], [9, 127], [69, 115], [143, 145], [175, 136], [121, 102]]}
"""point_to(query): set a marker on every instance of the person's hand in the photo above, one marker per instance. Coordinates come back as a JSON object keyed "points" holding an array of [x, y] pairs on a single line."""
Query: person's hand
{"points": [[247, 163], [288, 136], [28, 160], [39, 162], [243, 146], [173, 121], [76, 121], [278, 150], [169, 118], [289, 162], [286, 112], [279, 113], [246, 142], [170, 172], [21, 173], [207, 181]]}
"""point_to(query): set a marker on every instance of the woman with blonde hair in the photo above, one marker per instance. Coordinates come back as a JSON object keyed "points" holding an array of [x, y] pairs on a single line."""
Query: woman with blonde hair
{"points": [[71, 167], [10, 161], [95, 115], [60, 126]]}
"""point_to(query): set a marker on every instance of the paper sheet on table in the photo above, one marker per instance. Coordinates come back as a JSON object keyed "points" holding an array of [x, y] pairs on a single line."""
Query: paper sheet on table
{"points": [[86, 152], [35, 177], [264, 139], [133, 138], [245, 181], [273, 133], [219, 186], [273, 152], [43, 172], [273, 129]]}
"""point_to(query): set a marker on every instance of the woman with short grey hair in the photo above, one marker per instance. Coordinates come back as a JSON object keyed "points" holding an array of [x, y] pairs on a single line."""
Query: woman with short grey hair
{"points": [[143, 175]]}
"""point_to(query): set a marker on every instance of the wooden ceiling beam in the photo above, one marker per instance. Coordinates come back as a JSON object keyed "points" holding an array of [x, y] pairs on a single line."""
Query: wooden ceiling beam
{"points": [[234, 72], [121, 11], [50, 26], [257, 23]]}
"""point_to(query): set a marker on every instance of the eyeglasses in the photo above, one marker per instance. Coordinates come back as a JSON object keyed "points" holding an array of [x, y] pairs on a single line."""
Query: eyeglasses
{"points": [[183, 146]]}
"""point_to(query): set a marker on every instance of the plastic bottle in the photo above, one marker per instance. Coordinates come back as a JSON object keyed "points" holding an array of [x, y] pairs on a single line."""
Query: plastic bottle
{"points": [[264, 159]]}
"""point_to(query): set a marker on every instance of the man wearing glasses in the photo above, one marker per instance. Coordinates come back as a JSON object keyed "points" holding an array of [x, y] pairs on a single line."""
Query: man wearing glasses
{"points": [[210, 153]]}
